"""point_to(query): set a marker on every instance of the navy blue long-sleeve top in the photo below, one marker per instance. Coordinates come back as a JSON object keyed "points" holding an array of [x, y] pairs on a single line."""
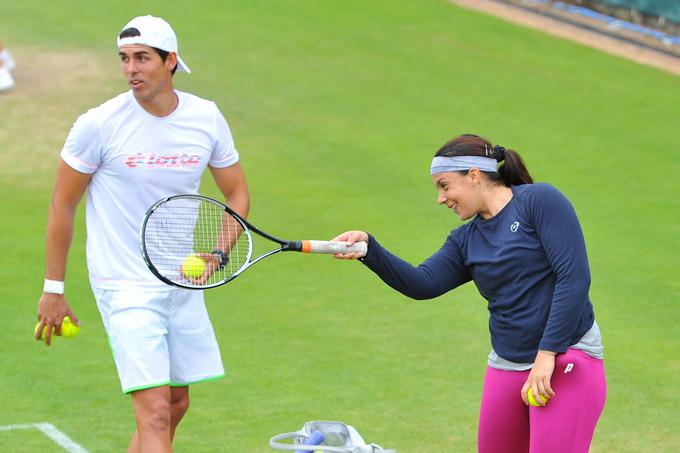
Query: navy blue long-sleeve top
{"points": [[528, 261]]}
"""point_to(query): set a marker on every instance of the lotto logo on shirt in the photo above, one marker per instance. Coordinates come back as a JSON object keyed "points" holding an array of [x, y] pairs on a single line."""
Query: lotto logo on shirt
{"points": [[153, 160]]}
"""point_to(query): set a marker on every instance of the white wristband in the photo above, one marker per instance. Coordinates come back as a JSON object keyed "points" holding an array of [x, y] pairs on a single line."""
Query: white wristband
{"points": [[53, 286]]}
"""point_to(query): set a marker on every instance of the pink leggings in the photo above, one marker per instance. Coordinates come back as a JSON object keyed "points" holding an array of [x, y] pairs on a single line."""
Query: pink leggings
{"points": [[564, 425]]}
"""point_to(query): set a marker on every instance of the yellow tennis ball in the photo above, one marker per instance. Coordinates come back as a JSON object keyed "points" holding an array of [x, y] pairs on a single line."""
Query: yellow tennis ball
{"points": [[42, 335], [193, 266], [68, 329], [532, 400]]}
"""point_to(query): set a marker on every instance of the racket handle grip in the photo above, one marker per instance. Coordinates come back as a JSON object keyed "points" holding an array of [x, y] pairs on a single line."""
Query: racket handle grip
{"points": [[315, 439], [333, 247]]}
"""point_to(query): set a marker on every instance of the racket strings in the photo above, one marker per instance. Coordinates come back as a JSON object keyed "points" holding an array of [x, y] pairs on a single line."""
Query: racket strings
{"points": [[182, 228]]}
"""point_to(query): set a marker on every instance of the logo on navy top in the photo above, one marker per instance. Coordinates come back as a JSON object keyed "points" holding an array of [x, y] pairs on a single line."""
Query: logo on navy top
{"points": [[514, 227]]}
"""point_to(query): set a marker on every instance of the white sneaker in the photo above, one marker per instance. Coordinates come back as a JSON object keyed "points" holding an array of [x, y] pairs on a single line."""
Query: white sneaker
{"points": [[6, 58], [6, 79]]}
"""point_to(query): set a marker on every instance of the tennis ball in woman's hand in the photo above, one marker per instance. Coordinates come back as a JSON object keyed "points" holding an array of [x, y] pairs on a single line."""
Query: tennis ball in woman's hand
{"points": [[193, 266], [532, 400], [68, 329]]}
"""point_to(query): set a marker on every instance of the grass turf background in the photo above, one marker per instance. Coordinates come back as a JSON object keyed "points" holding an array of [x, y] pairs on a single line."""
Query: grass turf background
{"points": [[337, 108]]}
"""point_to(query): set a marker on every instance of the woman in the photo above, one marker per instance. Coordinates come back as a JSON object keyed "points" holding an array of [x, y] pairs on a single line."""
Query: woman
{"points": [[525, 252]]}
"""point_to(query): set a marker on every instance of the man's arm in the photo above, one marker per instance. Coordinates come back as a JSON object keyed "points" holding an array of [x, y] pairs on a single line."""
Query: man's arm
{"points": [[69, 188], [232, 182]]}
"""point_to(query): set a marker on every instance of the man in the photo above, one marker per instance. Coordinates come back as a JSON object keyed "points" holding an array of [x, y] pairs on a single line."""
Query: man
{"points": [[147, 143]]}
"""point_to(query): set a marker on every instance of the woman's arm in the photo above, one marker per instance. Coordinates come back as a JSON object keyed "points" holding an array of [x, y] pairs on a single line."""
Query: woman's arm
{"points": [[560, 234], [441, 272]]}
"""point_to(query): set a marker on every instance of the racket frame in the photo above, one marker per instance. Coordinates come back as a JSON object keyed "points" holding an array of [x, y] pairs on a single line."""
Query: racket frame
{"points": [[284, 246]]}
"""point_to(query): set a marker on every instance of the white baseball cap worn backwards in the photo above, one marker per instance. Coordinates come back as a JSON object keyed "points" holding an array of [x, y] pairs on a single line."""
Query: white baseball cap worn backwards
{"points": [[153, 32]]}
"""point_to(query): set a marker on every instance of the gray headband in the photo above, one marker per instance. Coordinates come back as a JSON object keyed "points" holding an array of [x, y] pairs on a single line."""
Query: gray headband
{"points": [[441, 164]]}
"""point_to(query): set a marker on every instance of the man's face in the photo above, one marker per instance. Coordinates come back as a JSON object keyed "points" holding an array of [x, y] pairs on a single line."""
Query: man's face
{"points": [[145, 71]]}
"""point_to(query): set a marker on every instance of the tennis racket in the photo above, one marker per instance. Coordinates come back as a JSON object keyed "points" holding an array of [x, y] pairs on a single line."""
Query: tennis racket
{"points": [[195, 242]]}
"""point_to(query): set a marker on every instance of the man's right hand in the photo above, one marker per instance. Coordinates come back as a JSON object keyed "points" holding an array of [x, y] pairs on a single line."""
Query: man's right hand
{"points": [[51, 311]]}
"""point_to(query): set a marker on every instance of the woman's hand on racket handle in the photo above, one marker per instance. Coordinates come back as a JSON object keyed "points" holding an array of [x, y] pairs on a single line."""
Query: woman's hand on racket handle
{"points": [[539, 378], [52, 309], [351, 237]]}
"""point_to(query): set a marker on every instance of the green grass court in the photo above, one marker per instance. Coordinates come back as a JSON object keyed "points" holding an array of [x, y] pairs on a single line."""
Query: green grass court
{"points": [[337, 108]]}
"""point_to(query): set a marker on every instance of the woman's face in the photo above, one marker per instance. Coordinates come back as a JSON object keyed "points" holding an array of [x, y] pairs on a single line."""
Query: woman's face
{"points": [[458, 192]]}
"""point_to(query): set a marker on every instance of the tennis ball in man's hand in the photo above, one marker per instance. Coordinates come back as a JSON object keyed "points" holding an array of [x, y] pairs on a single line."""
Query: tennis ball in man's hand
{"points": [[532, 400], [42, 336], [193, 266], [68, 329]]}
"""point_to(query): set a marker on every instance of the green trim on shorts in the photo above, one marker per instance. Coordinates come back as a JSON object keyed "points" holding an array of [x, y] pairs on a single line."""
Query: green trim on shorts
{"points": [[172, 384], [147, 386], [212, 378], [113, 353]]}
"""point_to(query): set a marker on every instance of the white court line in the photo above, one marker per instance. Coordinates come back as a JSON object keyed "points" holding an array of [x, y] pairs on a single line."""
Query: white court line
{"points": [[52, 432]]}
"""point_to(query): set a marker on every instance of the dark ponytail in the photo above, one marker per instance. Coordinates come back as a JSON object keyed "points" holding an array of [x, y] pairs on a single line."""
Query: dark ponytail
{"points": [[512, 171]]}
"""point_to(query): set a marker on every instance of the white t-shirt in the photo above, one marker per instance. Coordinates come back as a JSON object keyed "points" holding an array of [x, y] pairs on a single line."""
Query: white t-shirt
{"points": [[136, 159]]}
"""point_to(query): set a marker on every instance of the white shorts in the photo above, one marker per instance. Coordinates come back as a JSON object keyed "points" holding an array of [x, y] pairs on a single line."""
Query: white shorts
{"points": [[159, 337]]}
